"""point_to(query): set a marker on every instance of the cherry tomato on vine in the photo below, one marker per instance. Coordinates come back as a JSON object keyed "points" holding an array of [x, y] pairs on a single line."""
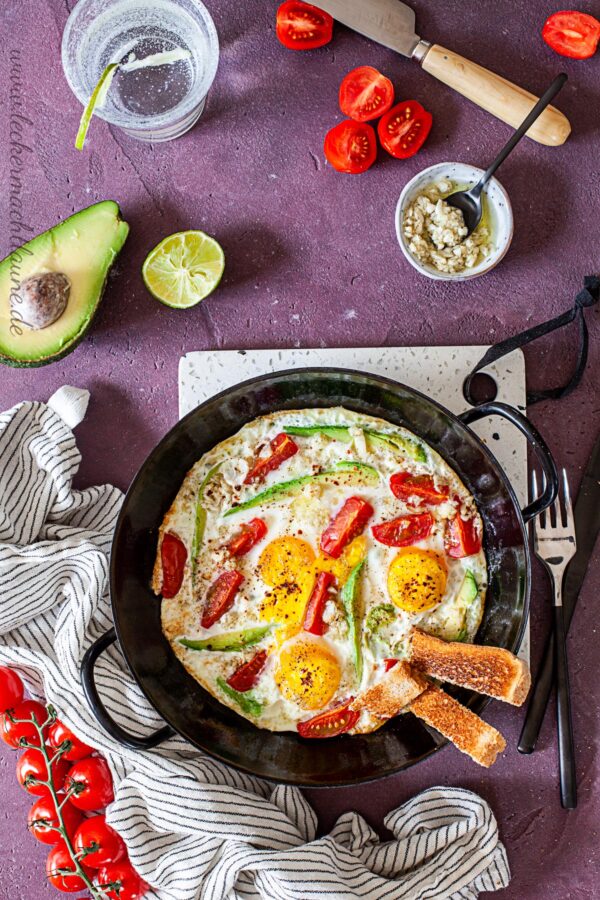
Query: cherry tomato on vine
{"points": [[43, 820], [58, 733], [96, 833], [12, 732], [96, 786], [11, 689], [59, 858], [128, 884], [32, 765]]}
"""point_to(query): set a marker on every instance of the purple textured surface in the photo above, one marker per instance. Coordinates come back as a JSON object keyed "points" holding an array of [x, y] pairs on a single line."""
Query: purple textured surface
{"points": [[312, 259]]}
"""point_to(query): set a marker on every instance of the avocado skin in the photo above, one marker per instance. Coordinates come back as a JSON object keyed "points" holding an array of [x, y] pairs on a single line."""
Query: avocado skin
{"points": [[68, 348]]}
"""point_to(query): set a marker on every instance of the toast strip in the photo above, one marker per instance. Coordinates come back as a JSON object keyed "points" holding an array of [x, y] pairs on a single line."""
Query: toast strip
{"points": [[394, 692], [487, 670], [461, 726]]}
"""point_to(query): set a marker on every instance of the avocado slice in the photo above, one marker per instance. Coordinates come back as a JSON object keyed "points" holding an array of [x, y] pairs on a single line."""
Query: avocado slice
{"points": [[50, 287], [408, 446], [229, 641]]}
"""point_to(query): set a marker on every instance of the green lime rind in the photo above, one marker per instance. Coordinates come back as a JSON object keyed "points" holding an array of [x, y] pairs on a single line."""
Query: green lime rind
{"points": [[200, 521], [229, 641], [97, 99], [407, 446], [246, 701], [350, 597]]}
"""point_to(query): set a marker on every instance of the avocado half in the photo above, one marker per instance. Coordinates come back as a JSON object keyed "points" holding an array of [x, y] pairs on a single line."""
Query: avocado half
{"points": [[83, 248]]}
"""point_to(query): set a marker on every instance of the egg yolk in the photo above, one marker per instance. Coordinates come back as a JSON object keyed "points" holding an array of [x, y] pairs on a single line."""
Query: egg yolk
{"points": [[287, 565], [417, 579], [350, 558], [308, 673]]}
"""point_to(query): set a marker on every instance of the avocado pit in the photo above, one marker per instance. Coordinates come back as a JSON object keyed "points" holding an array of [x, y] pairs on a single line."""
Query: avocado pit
{"points": [[40, 300]]}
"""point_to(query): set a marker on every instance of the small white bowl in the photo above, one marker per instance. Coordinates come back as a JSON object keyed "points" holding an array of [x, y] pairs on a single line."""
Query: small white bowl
{"points": [[500, 216]]}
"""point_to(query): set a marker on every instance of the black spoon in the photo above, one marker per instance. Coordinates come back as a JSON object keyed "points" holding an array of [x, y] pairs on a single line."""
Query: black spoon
{"points": [[469, 202]]}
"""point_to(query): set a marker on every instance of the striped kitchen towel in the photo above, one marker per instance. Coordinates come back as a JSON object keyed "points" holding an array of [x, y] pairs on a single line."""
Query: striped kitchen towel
{"points": [[193, 827]]}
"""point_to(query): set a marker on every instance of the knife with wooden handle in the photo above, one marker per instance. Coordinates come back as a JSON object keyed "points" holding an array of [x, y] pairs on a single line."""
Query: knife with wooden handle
{"points": [[392, 23]]}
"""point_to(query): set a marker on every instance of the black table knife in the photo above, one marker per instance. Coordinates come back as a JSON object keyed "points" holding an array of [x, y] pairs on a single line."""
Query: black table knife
{"points": [[587, 526]]}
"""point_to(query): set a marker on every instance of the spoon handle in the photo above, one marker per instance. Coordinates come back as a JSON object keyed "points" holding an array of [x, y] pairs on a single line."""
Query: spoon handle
{"points": [[510, 145]]}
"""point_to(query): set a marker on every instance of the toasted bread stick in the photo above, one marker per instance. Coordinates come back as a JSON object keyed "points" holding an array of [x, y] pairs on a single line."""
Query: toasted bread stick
{"points": [[394, 692]]}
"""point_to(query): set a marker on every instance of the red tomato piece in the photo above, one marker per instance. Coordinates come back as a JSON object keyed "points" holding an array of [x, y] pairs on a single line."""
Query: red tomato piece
{"points": [[365, 94], [98, 843], [220, 597], [125, 881], [245, 676], [462, 537], [351, 147], [11, 689], [42, 820], [92, 783], [173, 556], [58, 733], [404, 531], [389, 664], [313, 614], [330, 723], [407, 487], [572, 33], [282, 449], [404, 129], [13, 732], [347, 524], [302, 26], [247, 537], [59, 859], [31, 767]]}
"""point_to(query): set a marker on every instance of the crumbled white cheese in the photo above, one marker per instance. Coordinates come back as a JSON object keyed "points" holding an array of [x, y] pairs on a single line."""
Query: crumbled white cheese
{"points": [[436, 232]]}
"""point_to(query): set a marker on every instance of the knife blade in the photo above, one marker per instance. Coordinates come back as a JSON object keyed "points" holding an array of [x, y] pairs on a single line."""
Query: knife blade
{"points": [[389, 22], [587, 526]]}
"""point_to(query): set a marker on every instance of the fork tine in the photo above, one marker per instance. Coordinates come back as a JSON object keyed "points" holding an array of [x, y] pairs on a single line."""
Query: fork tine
{"points": [[542, 517], [567, 499]]}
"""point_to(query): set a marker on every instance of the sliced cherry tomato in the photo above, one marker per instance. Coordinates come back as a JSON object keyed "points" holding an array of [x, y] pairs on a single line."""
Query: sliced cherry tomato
{"points": [[404, 531], [59, 861], [31, 767], [13, 732], [404, 129], [313, 614], [98, 843], [95, 782], [330, 723], [301, 26], [249, 534], [389, 664], [58, 733], [173, 556], [220, 597], [351, 147], [462, 537], [125, 881], [11, 689], [365, 94], [245, 676], [282, 449], [572, 33], [42, 820], [407, 487], [347, 524]]}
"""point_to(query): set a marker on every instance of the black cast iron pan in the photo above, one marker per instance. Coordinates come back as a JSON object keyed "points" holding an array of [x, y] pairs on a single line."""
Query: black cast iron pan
{"points": [[185, 706]]}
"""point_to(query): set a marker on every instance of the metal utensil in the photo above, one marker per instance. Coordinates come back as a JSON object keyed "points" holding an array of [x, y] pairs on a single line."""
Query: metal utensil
{"points": [[587, 527], [555, 546], [469, 202], [392, 23]]}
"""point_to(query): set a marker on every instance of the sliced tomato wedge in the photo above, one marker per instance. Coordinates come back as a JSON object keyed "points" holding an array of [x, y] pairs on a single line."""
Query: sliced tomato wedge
{"points": [[572, 33], [249, 534], [173, 556], [330, 723], [462, 537], [282, 449], [313, 615], [404, 129], [419, 488], [347, 524], [389, 664], [351, 147], [301, 26], [220, 597], [365, 94], [245, 676], [404, 531]]}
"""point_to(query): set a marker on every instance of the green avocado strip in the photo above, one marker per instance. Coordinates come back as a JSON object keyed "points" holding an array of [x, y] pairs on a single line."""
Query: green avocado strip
{"points": [[245, 701], [338, 432], [349, 596], [284, 488], [408, 446], [200, 524], [380, 616], [229, 640]]}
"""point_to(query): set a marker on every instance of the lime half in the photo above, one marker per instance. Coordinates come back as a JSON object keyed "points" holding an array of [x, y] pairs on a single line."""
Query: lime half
{"points": [[184, 269]]}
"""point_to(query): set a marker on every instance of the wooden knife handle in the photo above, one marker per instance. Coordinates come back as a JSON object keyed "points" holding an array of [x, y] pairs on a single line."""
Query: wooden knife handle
{"points": [[501, 98]]}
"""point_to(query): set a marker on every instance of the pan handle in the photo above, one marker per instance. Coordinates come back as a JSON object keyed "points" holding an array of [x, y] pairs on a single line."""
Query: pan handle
{"points": [[535, 441], [97, 706]]}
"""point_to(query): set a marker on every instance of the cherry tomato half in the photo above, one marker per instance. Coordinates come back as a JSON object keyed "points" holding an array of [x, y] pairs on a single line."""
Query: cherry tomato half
{"points": [[462, 537], [245, 676], [128, 884], [13, 732], [247, 537], [58, 733], [11, 689], [404, 129], [365, 94], [414, 489], [301, 26], [330, 723], [351, 147], [173, 556], [220, 597], [98, 843], [573, 34], [282, 449], [404, 531], [313, 614], [96, 789], [42, 820], [31, 766], [59, 858], [347, 524]]}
